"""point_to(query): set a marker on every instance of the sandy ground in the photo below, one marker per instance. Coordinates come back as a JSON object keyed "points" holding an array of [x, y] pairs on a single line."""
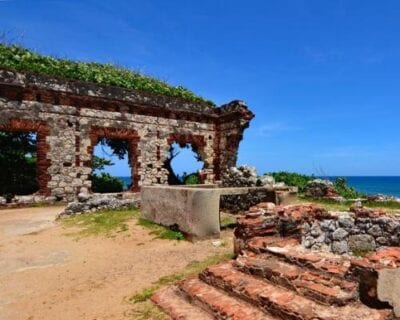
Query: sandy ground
{"points": [[46, 274]]}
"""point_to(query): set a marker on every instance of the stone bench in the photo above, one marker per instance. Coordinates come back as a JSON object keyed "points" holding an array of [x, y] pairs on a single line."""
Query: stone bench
{"points": [[193, 209]]}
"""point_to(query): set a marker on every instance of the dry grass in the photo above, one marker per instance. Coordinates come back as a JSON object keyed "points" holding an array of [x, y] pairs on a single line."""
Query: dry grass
{"points": [[147, 311], [105, 223], [191, 269]]}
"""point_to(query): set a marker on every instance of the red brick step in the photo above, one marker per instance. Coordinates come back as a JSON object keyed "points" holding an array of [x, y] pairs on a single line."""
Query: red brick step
{"points": [[319, 287], [177, 307], [220, 304], [322, 262], [282, 302]]}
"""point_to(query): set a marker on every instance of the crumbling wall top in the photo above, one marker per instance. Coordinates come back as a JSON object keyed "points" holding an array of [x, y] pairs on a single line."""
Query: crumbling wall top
{"points": [[33, 81]]}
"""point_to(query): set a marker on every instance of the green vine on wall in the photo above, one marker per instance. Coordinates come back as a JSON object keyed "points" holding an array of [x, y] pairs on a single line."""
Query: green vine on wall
{"points": [[17, 58]]}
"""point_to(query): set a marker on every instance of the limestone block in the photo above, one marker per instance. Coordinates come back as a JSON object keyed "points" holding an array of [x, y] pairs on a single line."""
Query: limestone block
{"points": [[194, 211], [389, 288], [361, 243]]}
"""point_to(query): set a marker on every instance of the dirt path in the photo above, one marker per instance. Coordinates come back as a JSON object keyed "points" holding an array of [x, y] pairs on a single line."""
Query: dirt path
{"points": [[46, 274]]}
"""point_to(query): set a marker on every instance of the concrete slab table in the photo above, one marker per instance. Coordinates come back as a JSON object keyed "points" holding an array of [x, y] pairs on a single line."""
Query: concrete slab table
{"points": [[192, 209]]}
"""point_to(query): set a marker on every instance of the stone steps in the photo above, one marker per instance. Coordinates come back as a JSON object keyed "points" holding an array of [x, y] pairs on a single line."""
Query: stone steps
{"points": [[281, 302], [276, 278], [322, 262], [319, 287], [219, 304], [171, 300]]}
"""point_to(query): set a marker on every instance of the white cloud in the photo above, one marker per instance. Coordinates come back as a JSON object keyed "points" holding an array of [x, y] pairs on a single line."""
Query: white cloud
{"points": [[273, 128], [346, 152]]}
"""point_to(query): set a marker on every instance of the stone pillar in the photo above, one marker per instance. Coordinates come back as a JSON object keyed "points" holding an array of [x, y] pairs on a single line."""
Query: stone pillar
{"points": [[65, 182]]}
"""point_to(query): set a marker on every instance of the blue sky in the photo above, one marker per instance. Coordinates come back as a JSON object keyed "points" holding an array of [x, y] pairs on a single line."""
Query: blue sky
{"points": [[321, 76]]}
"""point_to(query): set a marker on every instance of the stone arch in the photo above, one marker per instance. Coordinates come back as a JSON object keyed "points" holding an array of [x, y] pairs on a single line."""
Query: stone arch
{"points": [[131, 136], [42, 148], [198, 143]]}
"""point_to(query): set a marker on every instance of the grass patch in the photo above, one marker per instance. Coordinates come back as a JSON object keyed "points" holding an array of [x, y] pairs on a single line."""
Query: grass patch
{"points": [[332, 205], [191, 269], [227, 221], [393, 205], [328, 204], [148, 311], [104, 222], [21, 59], [360, 253], [161, 232]]}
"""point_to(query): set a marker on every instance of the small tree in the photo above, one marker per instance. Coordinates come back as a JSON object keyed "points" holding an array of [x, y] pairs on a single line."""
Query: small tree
{"points": [[18, 163], [173, 178], [104, 182]]}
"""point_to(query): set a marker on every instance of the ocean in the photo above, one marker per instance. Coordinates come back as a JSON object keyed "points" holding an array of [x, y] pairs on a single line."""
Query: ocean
{"points": [[387, 185], [369, 184], [126, 180]]}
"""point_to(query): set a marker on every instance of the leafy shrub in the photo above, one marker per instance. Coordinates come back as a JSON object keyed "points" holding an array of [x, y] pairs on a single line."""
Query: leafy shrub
{"points": [[347, 192], [21, 59], [162, 232], [192, 178], [104, 183], [292, 179], [18, 164]]}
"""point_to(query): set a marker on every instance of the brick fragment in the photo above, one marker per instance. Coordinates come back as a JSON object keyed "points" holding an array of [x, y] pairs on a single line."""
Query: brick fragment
{"points": [[319, 287], [174, 304], [282, 302], [220, 304]]}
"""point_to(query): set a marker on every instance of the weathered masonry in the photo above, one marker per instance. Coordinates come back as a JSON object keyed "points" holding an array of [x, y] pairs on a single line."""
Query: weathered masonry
{"points": [[70, 117]]}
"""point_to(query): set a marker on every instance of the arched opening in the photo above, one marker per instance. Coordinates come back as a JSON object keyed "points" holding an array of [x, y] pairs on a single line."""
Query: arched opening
{"points": [[111, 167], [18, 163], [183, 164]]}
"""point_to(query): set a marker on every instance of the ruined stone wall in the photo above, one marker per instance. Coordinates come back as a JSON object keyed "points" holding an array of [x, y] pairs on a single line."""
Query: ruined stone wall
{"points": [[360, 230], [70, 117]]}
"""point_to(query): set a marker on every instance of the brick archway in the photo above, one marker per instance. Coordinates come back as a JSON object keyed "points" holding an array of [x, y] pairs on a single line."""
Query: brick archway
{"points": [[42, 148], [198, 144], [129, 135], [197, 141]]}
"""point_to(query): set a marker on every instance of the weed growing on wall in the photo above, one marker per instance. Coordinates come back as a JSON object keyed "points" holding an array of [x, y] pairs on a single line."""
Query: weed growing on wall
{"points": [[21, 59]]}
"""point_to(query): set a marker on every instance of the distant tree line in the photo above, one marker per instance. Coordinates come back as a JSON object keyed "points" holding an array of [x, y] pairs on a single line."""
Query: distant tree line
{"points": [[17, 163]]}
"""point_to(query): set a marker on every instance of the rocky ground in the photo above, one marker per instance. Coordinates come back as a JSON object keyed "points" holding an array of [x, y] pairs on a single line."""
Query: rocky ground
{"points": [[47, 274], [275, 277]]}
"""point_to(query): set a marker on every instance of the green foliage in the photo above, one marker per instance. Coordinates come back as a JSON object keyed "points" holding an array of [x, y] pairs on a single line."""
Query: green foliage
{"points": [[119, 147], [104, 183], [301, 180], [333, 205], [100, 163], [227, 220], [101, 223], [390, 204], [328, 204], [21, 59], [191, 269], [176, 179], [292, 179], [148, 311], [192, 178], [347, 192], [18, 163], [160, 231], [360, 252]]}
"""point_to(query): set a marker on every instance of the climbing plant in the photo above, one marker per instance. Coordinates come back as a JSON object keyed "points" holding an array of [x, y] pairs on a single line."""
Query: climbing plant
{"points": [[21, 59], [17, 163]]}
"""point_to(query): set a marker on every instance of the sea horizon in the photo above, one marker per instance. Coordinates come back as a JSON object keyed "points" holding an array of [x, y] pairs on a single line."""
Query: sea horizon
{"points": [[369, 184], [373, 185]]}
